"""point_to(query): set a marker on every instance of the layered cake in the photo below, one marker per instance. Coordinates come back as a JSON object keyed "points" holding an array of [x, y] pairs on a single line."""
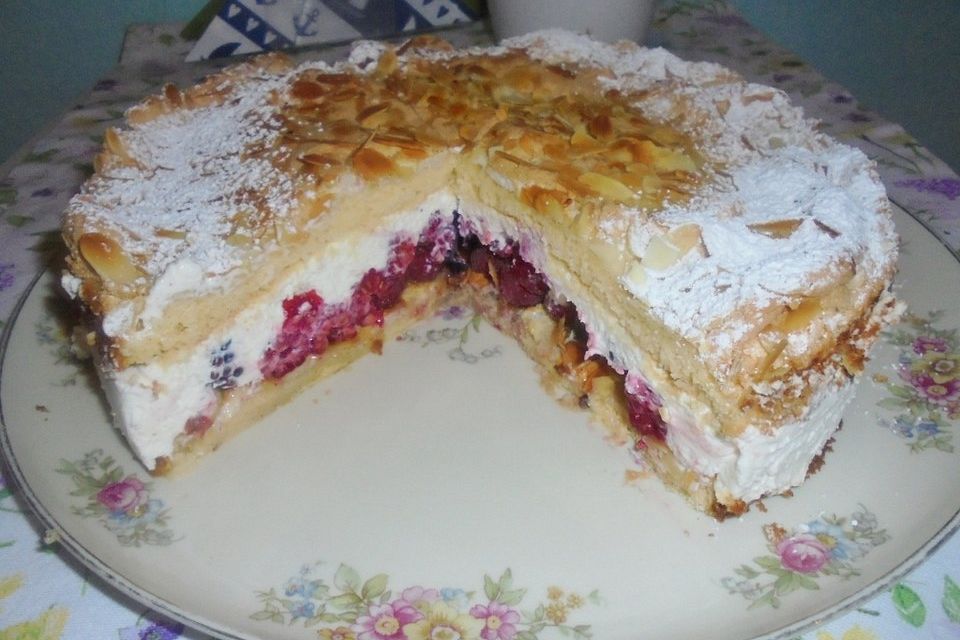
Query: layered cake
{"points": [[679, 250]]}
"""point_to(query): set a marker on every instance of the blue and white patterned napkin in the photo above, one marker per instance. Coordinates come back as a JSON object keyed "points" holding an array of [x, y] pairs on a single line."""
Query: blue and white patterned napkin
{"points": [[251, 26]]}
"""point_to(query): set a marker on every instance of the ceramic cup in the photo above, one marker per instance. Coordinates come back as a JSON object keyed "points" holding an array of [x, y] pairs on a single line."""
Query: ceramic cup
{"points": [[607, 20]]}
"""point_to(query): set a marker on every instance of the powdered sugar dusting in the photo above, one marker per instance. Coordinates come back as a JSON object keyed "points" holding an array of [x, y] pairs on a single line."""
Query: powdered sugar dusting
{"points": [[194, 170], [769, 164], [829, 198]]}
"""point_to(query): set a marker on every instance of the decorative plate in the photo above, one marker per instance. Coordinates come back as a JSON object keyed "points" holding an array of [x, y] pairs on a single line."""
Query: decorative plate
{"points": [[438, 492]]}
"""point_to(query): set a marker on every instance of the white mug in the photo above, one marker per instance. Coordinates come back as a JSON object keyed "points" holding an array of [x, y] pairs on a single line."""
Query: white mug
{"points": [[607, 20]]}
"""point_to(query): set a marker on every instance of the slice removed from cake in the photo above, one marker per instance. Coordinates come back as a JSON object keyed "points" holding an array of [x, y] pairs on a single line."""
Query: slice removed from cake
{"points": [[679, 249]]}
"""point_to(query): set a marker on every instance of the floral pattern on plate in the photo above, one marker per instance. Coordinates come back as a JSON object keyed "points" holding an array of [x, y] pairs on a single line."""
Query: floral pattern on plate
{"points": [[35, 191], [827, 546], [926, 392], [459, 336], [51, 335], [353, 609], [151, 628], [121, 502]]}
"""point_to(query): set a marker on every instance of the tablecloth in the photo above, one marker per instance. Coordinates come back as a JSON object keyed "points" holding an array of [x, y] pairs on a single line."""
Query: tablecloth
{"points": [[45, 593]]}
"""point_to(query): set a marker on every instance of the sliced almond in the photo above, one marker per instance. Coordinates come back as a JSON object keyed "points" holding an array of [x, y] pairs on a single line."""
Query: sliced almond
{"points": [[370, 164], [777, 229], [334, 79], [113, 142], [105, 256], [387, 63], [322, 160], [801, 316], [606, 187], [600, 127], [661, 254], [522, 171], [173, 234], [686, 237], [522, 79], [172, 94], [307, 90], [667, 160], [581, 140], [546, 201], [772, 352], [373, 116], [637, 274], [651, 184]]}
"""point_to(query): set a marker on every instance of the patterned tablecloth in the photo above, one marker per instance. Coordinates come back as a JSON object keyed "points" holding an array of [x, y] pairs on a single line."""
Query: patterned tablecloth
{"points": [[45, 593]]}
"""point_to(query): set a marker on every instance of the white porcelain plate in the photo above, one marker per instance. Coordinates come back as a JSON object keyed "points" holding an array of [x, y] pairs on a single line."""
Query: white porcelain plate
{"points": [[438, 490]]}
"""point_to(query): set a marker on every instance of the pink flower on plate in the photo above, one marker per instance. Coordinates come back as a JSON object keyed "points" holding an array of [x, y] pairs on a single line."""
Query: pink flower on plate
{"points": [[386, 621], [499, 620], [944, 393], [925, 343], [417, 597], [942, 367], [803, 553], [127, 496]]}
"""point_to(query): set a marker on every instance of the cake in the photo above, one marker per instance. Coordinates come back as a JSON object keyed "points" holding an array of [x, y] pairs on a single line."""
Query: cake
{"points": [[677, 249]]}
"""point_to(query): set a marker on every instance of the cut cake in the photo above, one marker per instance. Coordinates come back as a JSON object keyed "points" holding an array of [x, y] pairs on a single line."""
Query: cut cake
{"points": [[679, 249]]}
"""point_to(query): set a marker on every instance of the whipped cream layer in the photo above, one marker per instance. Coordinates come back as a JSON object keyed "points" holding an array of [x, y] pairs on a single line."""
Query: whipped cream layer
{"points": [[152, 402], [757, 463]]}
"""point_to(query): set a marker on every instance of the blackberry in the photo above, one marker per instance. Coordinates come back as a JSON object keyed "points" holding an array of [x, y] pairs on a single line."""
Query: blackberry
{"points": [[223, 372]]}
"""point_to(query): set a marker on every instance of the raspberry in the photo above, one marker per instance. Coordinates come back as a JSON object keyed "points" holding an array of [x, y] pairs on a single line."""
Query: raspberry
{"points": [[423, 267], [520, 284], [299, 336], [300, 307], [197, 425], [310, 326], [404, 253], [479, 260], [644, 410], [375, 294], [339, 326]]}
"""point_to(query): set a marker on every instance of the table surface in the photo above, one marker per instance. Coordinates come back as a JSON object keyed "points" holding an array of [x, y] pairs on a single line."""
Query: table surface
{"points": [[45, 593]]}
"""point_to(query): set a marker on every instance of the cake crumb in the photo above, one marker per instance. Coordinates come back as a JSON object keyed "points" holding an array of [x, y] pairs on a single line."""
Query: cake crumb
{"points": [[632, 476]]}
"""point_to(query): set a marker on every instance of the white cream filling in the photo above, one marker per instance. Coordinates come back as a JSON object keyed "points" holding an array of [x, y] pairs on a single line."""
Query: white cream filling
{"points": [[152, 402], [756, 464]]}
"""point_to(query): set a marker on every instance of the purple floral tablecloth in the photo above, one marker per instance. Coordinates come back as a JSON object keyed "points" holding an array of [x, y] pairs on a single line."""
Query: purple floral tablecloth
{"points": [[45, 593]]}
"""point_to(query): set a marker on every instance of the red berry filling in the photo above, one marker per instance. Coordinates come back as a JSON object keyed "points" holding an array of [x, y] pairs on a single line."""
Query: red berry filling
{"points": [[310, 325], [520, 284], [643, 406], [198, 425], [643, 403]]}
